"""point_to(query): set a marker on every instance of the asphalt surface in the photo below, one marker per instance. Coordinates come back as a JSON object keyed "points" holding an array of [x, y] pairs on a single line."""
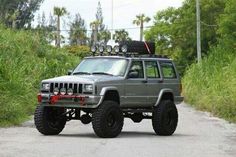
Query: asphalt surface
{"points": [[198, 135]]}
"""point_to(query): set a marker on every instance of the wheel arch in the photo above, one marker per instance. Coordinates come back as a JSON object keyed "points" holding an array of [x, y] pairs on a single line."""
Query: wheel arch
{"points": [[110, 93], [165, 94]]}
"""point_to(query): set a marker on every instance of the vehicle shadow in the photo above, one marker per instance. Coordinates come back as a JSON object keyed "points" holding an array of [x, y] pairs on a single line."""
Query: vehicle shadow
{"points": [[82, 135], [127, 134], [136, 134]]}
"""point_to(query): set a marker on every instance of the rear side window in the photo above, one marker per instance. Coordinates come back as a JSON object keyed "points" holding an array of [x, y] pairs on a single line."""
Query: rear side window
{"points": [[168, 70]]}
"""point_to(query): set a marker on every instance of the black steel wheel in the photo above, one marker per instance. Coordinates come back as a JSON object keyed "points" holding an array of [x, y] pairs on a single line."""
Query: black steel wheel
{"points": [[108, 120], [49, 120], [165, 118]]}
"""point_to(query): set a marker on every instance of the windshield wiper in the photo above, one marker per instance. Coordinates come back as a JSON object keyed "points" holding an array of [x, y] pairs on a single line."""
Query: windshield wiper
{"points": [[81, 73], [101, 73]]}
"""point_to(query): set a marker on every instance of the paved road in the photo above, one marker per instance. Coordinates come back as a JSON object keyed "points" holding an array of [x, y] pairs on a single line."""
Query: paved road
{"points": [[198, 135]]}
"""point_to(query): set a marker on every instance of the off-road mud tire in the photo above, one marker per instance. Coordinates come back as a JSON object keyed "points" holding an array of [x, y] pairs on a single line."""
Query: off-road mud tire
{"points": [[108, 120], [48, 120], [165, 118]]}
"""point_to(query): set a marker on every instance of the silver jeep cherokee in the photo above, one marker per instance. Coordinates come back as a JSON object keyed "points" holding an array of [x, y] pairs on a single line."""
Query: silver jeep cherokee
{"points": [[106, 89]]}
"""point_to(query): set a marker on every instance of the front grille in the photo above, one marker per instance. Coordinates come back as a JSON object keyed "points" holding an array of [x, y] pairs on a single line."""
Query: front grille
{"points": [[77, 88]]}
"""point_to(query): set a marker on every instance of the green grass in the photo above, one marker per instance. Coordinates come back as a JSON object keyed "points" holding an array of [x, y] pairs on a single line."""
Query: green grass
{"points": [[26, 59], [211, 85]]}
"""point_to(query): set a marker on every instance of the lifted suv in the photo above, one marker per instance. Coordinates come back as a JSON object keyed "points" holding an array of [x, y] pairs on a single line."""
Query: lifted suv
{"points": [[106, 89]]}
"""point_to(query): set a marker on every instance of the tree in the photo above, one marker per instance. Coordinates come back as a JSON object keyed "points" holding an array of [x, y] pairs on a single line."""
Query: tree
{"points": [[13, 18], [46, 28], [77, 34], [140, 20], [18, 13], [99, 17], [94, 37], [59, 12], [104, 36], [99, 34], [174, 30], [121, 35], [42, 20], [227, 25]]}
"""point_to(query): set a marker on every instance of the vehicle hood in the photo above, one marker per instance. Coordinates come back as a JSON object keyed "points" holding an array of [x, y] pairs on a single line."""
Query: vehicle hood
{"points": [[82, 79]]}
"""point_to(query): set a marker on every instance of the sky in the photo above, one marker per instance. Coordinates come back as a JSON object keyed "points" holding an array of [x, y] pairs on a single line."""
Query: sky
{"points": [[124, 11]]}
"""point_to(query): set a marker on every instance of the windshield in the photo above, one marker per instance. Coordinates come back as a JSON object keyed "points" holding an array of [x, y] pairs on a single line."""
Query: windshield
{"points": [[102, 66]]}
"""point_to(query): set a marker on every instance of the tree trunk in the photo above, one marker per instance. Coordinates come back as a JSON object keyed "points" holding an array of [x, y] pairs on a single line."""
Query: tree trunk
{"points": [[96, 35], [58, 42], [14, 24]]}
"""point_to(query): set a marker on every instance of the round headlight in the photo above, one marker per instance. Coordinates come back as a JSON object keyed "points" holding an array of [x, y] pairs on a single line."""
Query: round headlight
{"points": [[70, 91], [88, 88], [55, 91], [63, 91]]}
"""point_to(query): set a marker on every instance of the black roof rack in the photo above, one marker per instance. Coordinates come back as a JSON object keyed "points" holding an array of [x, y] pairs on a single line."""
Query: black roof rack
{"points": [[128, 49], [132, 54]]}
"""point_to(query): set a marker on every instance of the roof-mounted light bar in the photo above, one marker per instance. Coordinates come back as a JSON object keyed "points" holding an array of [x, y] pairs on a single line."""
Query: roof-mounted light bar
{"points": [[126, 48], [109, 49], [101, 50]]}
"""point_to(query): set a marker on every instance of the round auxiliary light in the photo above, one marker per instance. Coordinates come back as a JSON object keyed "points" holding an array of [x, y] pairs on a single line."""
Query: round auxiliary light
{"points": [[124, 48], [93, 48], [116, 49], [109, 48], [101, 49], [63, 91], [55, 91], [70, 91]]}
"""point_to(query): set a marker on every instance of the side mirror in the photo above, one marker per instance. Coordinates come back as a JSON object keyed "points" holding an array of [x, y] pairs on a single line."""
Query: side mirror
{"points": [[133, 74], [69, 72]]}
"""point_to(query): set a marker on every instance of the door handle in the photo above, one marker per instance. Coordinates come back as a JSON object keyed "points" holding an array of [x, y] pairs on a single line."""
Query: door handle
{"points": [[160, 81], [144, 81]]}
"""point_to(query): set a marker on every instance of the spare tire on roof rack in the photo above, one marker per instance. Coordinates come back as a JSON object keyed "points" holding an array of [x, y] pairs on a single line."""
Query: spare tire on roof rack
{"points": [[140, 47]]}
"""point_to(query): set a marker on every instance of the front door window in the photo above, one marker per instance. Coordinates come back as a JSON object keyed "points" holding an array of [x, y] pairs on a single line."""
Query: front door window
{"points": [[137, 67]]}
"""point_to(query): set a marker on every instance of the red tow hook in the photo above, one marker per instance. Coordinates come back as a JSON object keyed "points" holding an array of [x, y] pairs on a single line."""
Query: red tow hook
{"points": [[82, 99]]}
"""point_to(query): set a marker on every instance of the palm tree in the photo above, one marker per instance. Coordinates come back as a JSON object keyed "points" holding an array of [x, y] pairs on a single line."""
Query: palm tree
{"points": [[59, 12], [78, 36], [140, 19], [94, 25], [121, 35]]}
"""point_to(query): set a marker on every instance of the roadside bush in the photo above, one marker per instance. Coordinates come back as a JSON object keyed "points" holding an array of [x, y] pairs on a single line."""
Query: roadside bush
{"points": [[26, 59], [80, 51], [211, 85]]}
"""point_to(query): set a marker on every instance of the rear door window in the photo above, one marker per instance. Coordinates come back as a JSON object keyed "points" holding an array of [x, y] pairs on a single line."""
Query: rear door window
{"points": [[152, 69]]}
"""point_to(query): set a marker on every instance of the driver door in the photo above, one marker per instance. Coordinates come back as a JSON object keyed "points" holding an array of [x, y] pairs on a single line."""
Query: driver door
{"points": [[135, 85]]}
